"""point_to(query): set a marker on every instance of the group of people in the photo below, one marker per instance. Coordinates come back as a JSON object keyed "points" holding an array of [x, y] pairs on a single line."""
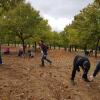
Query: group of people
{"points": [[84, 63], [30, 52], [44, 52], [79, 61]]}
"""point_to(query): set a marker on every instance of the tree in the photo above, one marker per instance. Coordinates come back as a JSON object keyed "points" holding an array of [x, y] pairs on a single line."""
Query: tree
{"points": [[64, 39], [25, 20], [26, 24], [98, 2], [86, 27], [6, 5]]}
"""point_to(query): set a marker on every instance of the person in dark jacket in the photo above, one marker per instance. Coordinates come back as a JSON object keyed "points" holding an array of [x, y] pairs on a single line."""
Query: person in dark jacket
{"points": [[96, 71], [44, 52], [84, 63]]}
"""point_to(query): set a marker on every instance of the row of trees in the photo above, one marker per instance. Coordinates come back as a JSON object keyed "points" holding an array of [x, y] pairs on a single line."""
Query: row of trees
{"points": [[84, 32], [20, 23]]}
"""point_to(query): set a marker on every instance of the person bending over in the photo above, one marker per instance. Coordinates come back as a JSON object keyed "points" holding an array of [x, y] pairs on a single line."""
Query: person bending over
{"points": [[84, 63]]}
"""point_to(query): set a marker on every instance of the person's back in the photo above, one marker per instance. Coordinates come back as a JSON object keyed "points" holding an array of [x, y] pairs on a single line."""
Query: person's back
{"points": [[84, 63], [81, 60]]}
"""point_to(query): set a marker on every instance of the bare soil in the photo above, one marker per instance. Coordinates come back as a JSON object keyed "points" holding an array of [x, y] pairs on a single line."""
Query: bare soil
{"points": [[24, 78]]}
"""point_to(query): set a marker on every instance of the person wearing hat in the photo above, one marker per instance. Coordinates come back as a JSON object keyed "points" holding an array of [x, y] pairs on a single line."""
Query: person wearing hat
{"points": [[84, 63]]}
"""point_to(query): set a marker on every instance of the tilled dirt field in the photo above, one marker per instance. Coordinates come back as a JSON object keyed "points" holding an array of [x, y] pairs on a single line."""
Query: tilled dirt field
{"points": [[24, 79]]}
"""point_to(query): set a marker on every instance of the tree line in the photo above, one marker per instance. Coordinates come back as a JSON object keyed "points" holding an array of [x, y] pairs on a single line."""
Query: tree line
{"points": [[20, 23], [84, 32]]}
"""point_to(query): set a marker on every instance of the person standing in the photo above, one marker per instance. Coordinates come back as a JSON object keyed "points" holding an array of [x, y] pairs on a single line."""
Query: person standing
{"points": [[44, 53]]}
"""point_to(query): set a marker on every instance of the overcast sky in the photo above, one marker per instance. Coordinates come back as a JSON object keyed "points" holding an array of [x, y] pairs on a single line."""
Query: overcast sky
{"points": [[59, 13]]}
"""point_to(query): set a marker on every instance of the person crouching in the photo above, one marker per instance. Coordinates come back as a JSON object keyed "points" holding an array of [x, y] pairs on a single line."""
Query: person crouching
{"points": [[84, 63]]}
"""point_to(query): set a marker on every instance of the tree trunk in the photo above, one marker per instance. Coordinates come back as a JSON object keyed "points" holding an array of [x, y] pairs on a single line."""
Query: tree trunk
{"points": [[15, 43], [54, 47], [85, 49], [75, 48], [8, 43], [65, 48], [29, 45], [0, 55], [50, 46], [70, 47], [59, 47], [96, 48], [18, 44], [35, 46], [24, 46], [0, 47]]}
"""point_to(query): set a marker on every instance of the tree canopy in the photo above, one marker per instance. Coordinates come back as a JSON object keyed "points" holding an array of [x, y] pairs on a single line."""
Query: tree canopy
{"points": [[85, 29]]}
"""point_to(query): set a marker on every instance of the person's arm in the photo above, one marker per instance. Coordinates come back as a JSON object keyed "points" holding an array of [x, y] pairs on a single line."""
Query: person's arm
{"points": [[97, 69]]}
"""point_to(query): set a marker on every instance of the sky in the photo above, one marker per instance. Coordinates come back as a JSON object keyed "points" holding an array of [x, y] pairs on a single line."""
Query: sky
{"points": [[59, 13]]}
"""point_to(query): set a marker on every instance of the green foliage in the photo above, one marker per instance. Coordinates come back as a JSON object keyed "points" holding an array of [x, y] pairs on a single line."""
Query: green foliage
{"points": [[6, 5], [23, 22], [85, 29], [19, 22]]}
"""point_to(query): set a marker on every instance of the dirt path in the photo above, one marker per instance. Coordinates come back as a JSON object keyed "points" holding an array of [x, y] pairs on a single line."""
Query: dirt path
{"points": [[24, 79]]}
